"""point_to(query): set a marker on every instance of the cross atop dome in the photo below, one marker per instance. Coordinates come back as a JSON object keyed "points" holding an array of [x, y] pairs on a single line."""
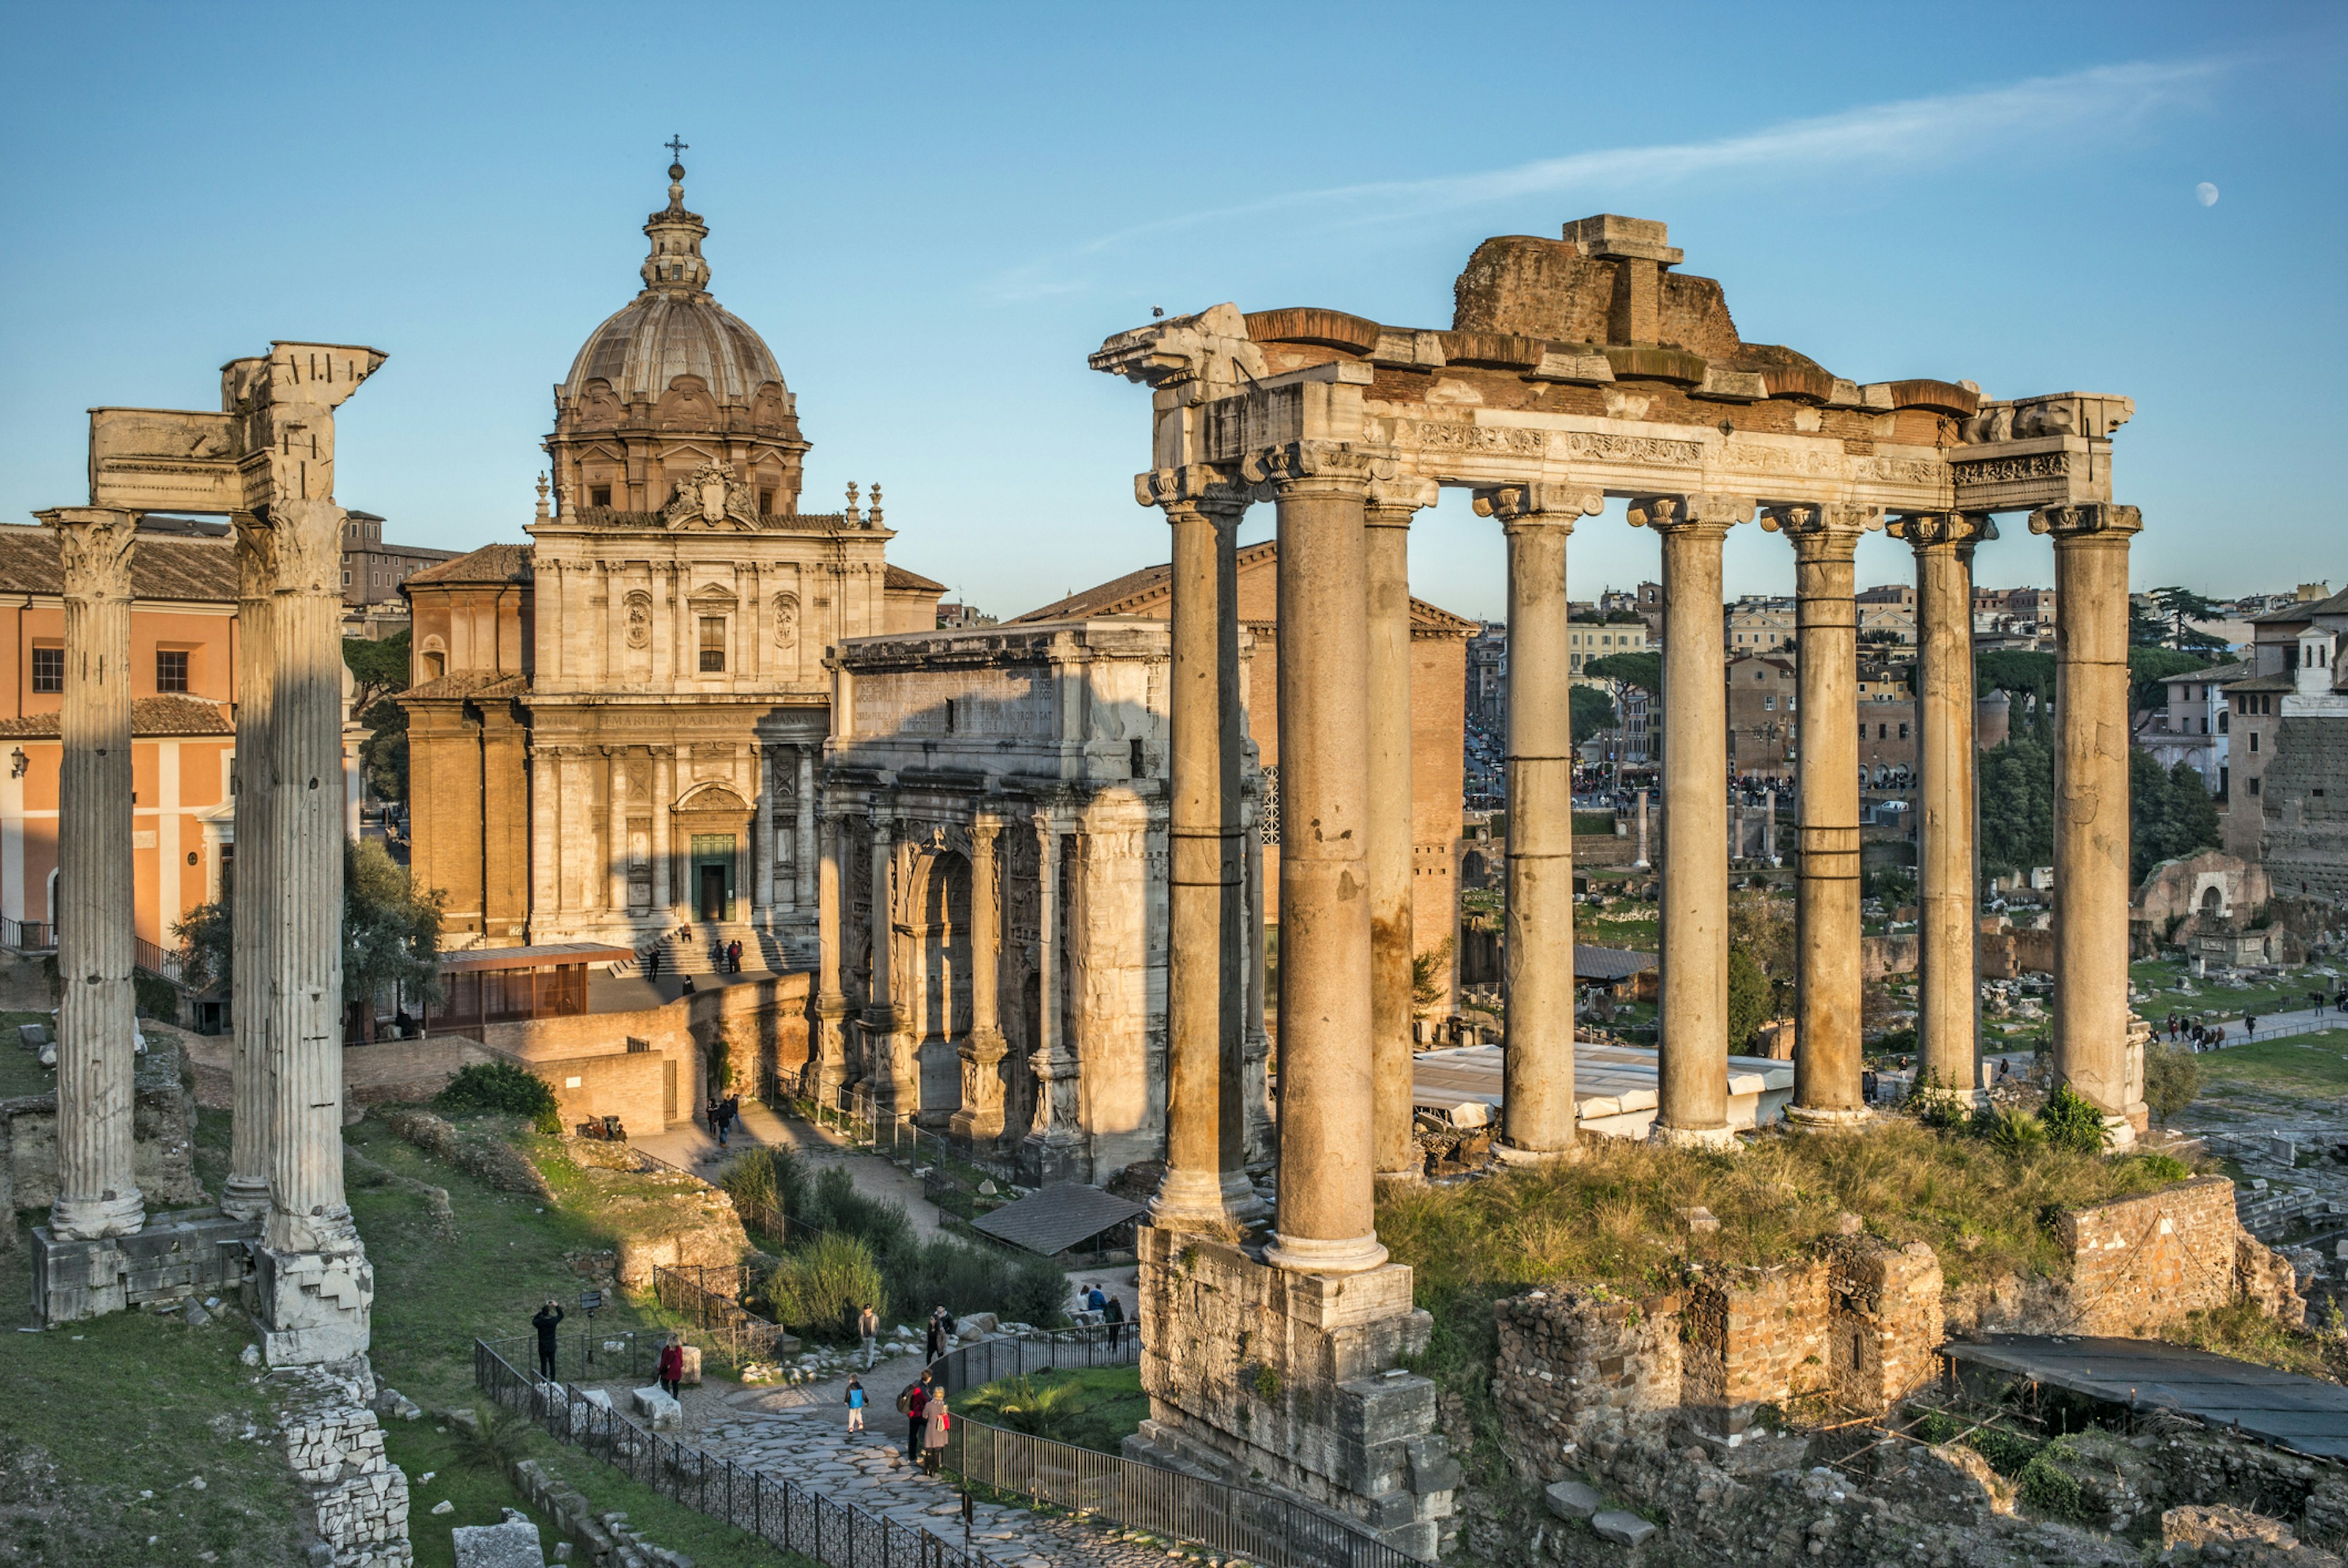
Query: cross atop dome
{"points": [[674, 266]]}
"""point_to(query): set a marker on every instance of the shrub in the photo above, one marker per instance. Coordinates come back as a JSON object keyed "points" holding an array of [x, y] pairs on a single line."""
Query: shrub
{"points": [[819, 1288], [833, 1203], [2073, 1124], [2013, 1131], [2164, 1167], [503, 1088], [1018, 1287], [2172, 1080], [773, 1176]]}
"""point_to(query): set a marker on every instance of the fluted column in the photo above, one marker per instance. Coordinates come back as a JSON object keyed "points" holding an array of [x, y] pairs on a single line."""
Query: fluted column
{"points": [[97, 1192], [762, 853], [1948, 987], [1641, 863], [615, 624], [830, 1064], [895, 1087], [2090, 808], [1325, 1222], [1205, 1133], [663, 793], [1391, 831], [1054, 1146], [1536, 1105], [246, 1193], [665, 655], [1693, 1106], [804, 862], [615, 859], [1826, 1059], [980, 1116]]}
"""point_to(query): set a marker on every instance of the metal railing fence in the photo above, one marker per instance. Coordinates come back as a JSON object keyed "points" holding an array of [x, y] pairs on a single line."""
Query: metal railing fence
{"points": [[156, 961], [709, 1296], [27, 936], [784, 1513]]}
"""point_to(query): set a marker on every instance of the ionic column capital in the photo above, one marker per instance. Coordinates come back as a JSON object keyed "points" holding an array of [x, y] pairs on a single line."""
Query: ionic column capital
{"points": [[1212, 488], [93, 545], [1318, 467], [1705, 511], [1931, 530], [1548, 503], [2088, 518]]}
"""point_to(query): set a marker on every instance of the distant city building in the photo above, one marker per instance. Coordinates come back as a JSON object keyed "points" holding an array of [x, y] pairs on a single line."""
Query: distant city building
{"points": [[2287, 800], [2193, 723], [373, 570], [950, 616], [1758, 623], [1604, 638], [1761, 720]]}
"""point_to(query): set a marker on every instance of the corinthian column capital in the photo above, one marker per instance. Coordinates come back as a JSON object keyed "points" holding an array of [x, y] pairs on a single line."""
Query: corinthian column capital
{"points": [[2091, 517], [1927, 530], [1326, 468], [94, 546], [1392, 502], [1705, 510], [308, 546], [1549, 503], [1215, 488], [1821, 527]]}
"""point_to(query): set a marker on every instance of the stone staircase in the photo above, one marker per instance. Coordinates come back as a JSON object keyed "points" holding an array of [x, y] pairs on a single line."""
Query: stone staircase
{"points": [[693, 948]]}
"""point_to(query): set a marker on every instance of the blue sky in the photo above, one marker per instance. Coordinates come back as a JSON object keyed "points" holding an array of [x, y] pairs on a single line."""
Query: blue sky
{"points": [[932, 213]]}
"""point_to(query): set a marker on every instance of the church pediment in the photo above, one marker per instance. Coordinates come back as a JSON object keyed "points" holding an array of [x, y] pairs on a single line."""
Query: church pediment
{"points": [[713, 797]]}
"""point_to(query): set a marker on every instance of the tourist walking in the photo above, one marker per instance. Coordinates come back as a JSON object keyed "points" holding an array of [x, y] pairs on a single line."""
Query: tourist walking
{"points": [[672, 1365], [854, 1399], [652, 962], [912, 1402], [868, 1329], [2249, 1026], [1114, 1315], [938, 1421], [936, 1342], [549, 1316]]}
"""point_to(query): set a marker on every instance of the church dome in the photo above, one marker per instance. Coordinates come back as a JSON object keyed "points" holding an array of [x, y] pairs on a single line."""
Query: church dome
{"points": [[674, 327]]}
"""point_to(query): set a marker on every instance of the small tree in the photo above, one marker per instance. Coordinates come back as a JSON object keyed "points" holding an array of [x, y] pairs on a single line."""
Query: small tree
{"points": [[391, 933], [2182, 606], [1748, 998], [1593, 711], [2172, 1081], [1427, 972], [2072, 1122]]}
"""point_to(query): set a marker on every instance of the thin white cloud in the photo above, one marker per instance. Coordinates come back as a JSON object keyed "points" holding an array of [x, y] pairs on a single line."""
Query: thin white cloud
{"points": [[2045, 117]]}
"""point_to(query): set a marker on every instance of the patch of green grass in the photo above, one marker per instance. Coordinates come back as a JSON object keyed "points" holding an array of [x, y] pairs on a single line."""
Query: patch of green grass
{"points": [[21, 1071], [2242, 1330], [1636, 933], [139, 1402], [1093, 1407], [2297, 1066]]}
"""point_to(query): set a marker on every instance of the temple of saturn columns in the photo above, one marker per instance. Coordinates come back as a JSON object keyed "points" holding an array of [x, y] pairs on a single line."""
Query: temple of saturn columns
{"points": [[266, 461], [1575, 370]]}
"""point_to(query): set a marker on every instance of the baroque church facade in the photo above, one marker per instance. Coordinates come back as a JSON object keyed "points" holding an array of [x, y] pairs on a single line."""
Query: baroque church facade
{"points": [[615, 731]]}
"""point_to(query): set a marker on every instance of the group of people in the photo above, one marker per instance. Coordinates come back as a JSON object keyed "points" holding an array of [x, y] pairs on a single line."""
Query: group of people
{"points": [[1112, 1313], [722, 1114], [2207, 1036]]}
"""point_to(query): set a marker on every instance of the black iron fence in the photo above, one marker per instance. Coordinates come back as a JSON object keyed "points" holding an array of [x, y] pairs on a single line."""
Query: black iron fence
{"points": [[156, 961], [780, 1512], [27, 936], [709, 1296], [1276, 1532]]}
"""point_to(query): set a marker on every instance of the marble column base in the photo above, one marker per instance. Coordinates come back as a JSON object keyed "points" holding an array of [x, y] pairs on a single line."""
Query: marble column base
{"points": [[1317, 1254], [2120, 1134], [313, 1307], [1510, 1155], [95, 1219], [1720, 1138], [1191, 1200], [195, 1252], [1820, 1120]]}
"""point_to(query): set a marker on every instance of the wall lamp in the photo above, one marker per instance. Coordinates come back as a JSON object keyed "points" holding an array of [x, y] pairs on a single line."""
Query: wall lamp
{"points": [[17, 763]]}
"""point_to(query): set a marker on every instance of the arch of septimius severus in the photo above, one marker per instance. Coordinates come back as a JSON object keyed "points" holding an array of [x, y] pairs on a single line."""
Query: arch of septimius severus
{"points": [[1575, 370]]}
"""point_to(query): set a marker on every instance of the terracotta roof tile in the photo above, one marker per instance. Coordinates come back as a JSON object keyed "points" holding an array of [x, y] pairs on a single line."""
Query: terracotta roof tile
{"points": [[899, 578], [1141, 592], [490, 563], [167, 715], [188, 568]]}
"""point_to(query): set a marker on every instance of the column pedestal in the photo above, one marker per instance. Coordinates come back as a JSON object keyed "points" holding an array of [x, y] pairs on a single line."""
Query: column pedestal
{"points": [[1693, 1069]]}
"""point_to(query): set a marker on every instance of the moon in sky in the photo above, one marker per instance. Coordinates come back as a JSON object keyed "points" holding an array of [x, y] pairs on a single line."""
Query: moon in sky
{"points": [[2205, 194]]}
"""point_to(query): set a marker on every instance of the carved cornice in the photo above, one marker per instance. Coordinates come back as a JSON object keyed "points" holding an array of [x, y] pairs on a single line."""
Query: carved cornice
{"points": [[2080, 521], [1929, 530], [1708, 510], [1550, 503], [93, 544], [1318, 467]]}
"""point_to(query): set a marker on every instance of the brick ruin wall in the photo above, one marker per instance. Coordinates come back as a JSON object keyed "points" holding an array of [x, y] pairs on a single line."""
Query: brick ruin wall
{"points": [[2137, 1262]]}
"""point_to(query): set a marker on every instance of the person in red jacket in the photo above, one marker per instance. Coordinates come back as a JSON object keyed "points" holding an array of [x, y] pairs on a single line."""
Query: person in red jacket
{"points": [[672, 1365]]}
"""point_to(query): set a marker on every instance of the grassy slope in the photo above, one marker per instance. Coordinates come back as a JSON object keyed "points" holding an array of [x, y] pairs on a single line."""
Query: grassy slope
{"points": [[2298, 1066], [1103, 1406], [21, 1071]]}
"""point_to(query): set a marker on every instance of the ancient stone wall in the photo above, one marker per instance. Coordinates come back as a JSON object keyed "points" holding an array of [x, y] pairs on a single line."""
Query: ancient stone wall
{"points": [[1886, 1322], [1881, 956], [1568, 1356], [1754, 1336], [2137, 1262], [335, 1444], [163, 1127]]}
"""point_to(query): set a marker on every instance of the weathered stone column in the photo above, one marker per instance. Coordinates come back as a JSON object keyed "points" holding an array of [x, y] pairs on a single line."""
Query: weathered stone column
{"points": [[1053, 1149], [1641, 863], [1393, 938], [616, 865], [97, 1192], [805, 859], [890, 1090], [831, 1063], [762, 853], [246, 1193], [1693, 1106], [314, 1284], [980, 1116], [2091, 807], [1827, 866], [1947, 989], [1538, 1105], [1325, 1221], [662, 794], [1255, 1082], [1204, 984]]}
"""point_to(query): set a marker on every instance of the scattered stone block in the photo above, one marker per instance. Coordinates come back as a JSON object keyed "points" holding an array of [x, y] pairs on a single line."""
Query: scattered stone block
{"points": [[692, 1377], [512, 1543], [598, 1397], [2223, 1525], [1573, 1500], [661, 1412], [1849, 1223], [1621, 1527], [443, 1506], [1700, 1220]]}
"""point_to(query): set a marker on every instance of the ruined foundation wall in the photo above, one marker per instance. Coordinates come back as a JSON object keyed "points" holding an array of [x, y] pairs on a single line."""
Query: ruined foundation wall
{"points": [[2137, 1262]]}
